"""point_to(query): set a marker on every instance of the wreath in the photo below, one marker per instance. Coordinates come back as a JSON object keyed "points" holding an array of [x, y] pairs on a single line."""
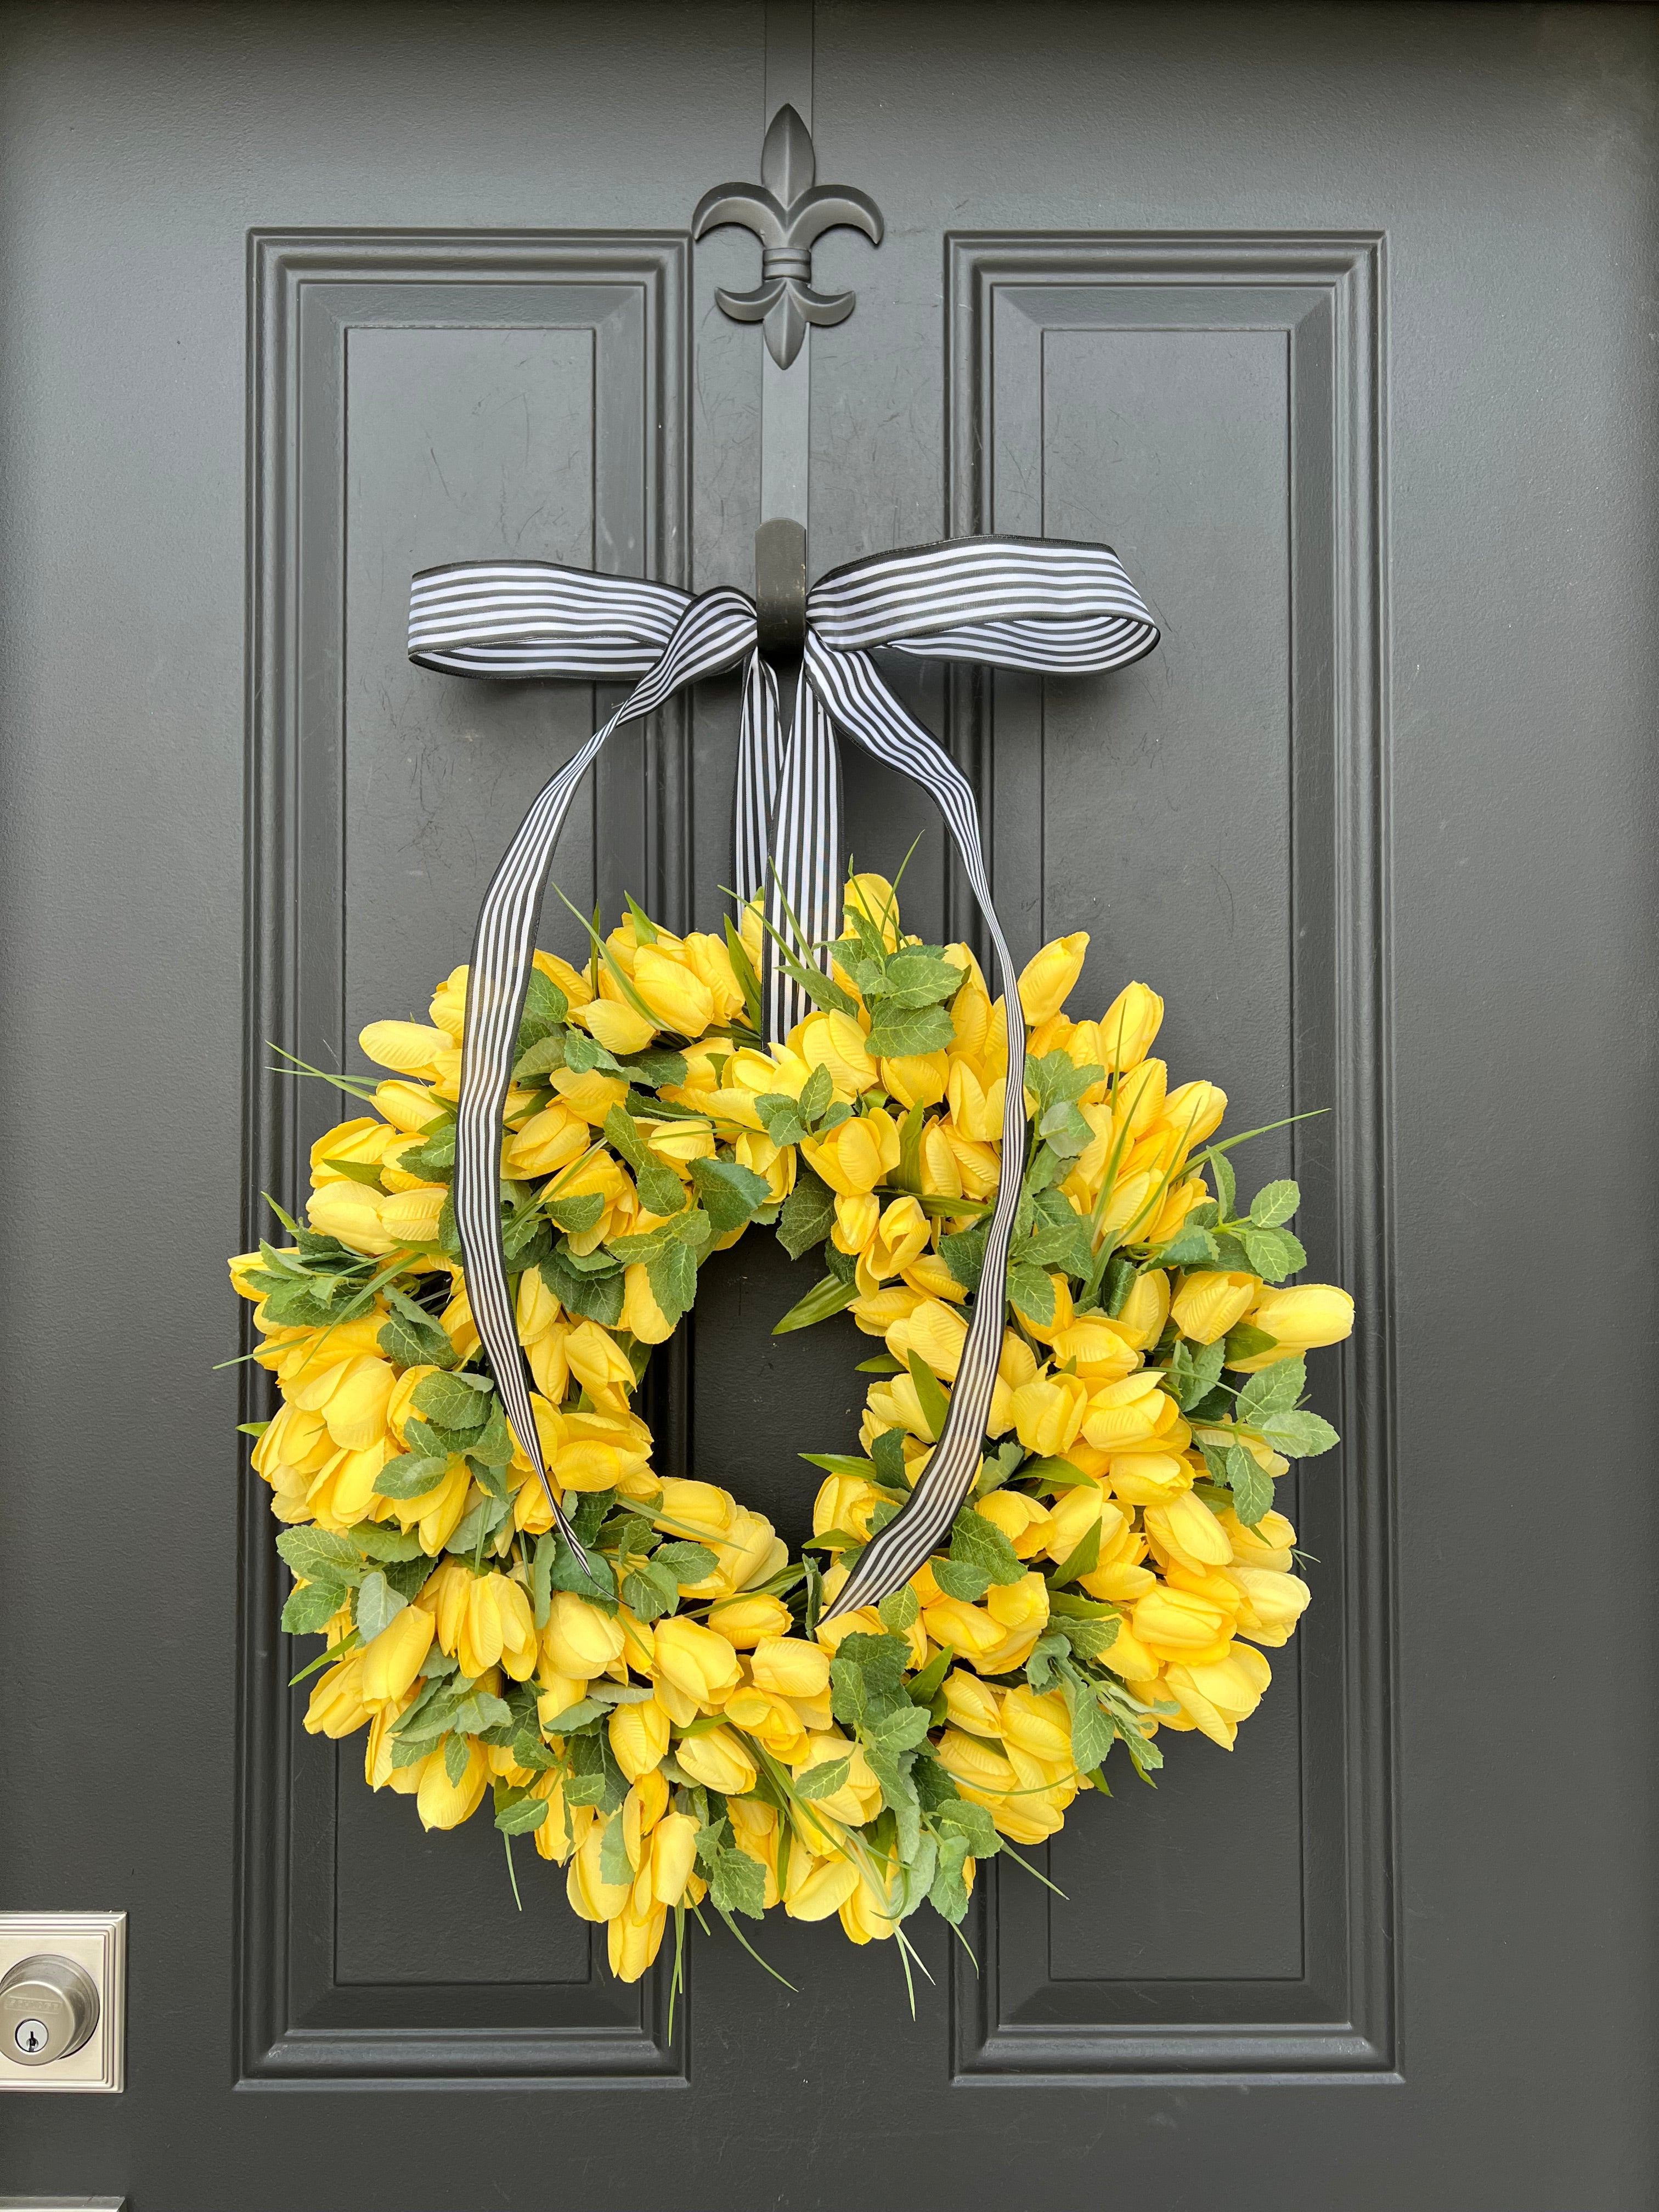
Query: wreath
{"points": [[658, 1706]]}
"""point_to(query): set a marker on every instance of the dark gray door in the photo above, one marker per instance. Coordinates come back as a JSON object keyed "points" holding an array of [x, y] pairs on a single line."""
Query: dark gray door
{"points": [[1336, 323]]}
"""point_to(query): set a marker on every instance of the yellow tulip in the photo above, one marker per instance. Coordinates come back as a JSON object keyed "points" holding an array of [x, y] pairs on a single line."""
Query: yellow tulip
{"points": [[363, 1141], [352, 1398], [817, 1887], [1174, 1624], [876, 900], [916, 1079], [351, 1212], [971, 1704], [337, 1705], [855, 1155], [1216, 1698], [697, 1510], [748, 1621], [1049, 1413], [844, 1501], [673, 1857], [448, 1007], [1040, 1725], [676, 996], [591, 1897], [1023, 1521], [591, 1094], [547, 1141], [408, 1106], [970, 1628], [718, 1760], [409, 1047], [1274, 1603], [392, 1659], [1302, 1318], [697, 1660], [836, 1042], [1188, 1533], [411, 1217], [443, 1803], [579, 1639], [711, 963], [1207, 1306], [1149, 1477], [870, 1914], [773, 1721], [617, 1026], [634, 1939], [1046, 980], [790, 1667], [639, 1736], [1129, 1412], [900, 1236], [972, 1762], [1128, 1026], [859, 1798]]}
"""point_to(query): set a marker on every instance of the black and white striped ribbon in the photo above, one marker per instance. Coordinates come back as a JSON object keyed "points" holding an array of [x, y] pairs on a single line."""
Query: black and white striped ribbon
{"points": [[1021, 602]]}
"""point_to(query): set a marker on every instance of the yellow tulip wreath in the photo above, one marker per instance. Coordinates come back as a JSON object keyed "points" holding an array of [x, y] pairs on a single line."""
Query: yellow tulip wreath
{"points": [[674, 1725]]}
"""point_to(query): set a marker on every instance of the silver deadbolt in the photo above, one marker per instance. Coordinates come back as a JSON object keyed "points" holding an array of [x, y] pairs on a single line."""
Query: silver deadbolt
{"points": [[48, 2009]]}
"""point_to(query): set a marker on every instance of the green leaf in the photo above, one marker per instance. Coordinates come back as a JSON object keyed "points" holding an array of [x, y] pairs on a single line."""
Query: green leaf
{"points": [[411, 1475], [577, 1211], [614, 1865], [931, 1396], [898, 1609], [545, 1007], [657, 1067], [948, 1894], [902, 1730], [482, 1710], [686, 1562], [384, 1539], [1192, 1248], [1272, 1253], [455, 1401], [957, 1579], [1195, 1370], [867, 1677], [541, 1059], [649, 1590], [828, 1296], [781, 1117], [1093, 1732], [1226, 1183], [1273, 1203], [409, 1344], [1273, 1389], [357, 1171], [660, 1189], [730, 1193], [743, 969], [672, 1276], [321, 1556], [477, 1525], [377, 1603], [977, 1543], [522, 1816], [738, 1884], [973, 1821], [596, 1296], [823, 1781], [963, 1254], [308, 1611], [1246, 1342], [920, 976], [1032, 1291], [1081, 1559], [1300, 1435], [1090, 1639], [1253, 1490], [900, 1032]]}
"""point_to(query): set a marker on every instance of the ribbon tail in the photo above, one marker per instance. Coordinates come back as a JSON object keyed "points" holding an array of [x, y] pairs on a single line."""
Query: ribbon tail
{"points": [[760, 766], [862, 705], [709, 636], [803, 908]]}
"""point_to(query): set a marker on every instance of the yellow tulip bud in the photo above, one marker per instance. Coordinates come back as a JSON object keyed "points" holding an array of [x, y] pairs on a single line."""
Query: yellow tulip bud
{"points": [[352, 1396], [1188, 1533], [591, 1897], [392, 1659], [697, 1661], [410, 1047], [790, 1667], [579, 1639], [747, 1621], [697, 1509], [617, 1026], [1046, 980], [1273, 1602], [817, 1887], [1040, 1725], [351, 1212], [1049, 1413], [836, 1040], [634, 1939], [1207, 1306], [639, 1736], [671, 987], [443, 1803], [548, 1141], [971, 1704], [1194, 1112], [1023, 1521], [364, 1142], [1095, 1350], [673, 1857], [1176, 1625], [916, 1079], [875, 899], [968, 1627], [1302, 1318], [1150, 1478], [1128, 1026], [870, 1914], [855, 1155], [591, 1094], [772, 1721], [718, 1760], [859, 1798], [337, 1705], [973, 1763], [408, 1106], [1133, 1412]]}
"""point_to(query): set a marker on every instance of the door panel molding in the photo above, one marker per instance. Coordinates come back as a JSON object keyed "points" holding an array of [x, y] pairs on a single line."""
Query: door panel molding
{"points": [[301, 2021], [1014, 303]]}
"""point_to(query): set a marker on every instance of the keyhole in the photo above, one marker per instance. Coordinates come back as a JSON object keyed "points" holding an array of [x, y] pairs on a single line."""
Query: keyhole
{"points": [[30, 2035]]}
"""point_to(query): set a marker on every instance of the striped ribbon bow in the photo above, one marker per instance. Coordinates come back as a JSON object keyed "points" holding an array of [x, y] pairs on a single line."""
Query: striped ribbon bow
{"points": [[1019, 603]]}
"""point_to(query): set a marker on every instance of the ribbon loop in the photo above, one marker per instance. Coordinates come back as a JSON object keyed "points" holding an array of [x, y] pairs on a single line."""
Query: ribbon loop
{"points": [[1034, 603]]}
